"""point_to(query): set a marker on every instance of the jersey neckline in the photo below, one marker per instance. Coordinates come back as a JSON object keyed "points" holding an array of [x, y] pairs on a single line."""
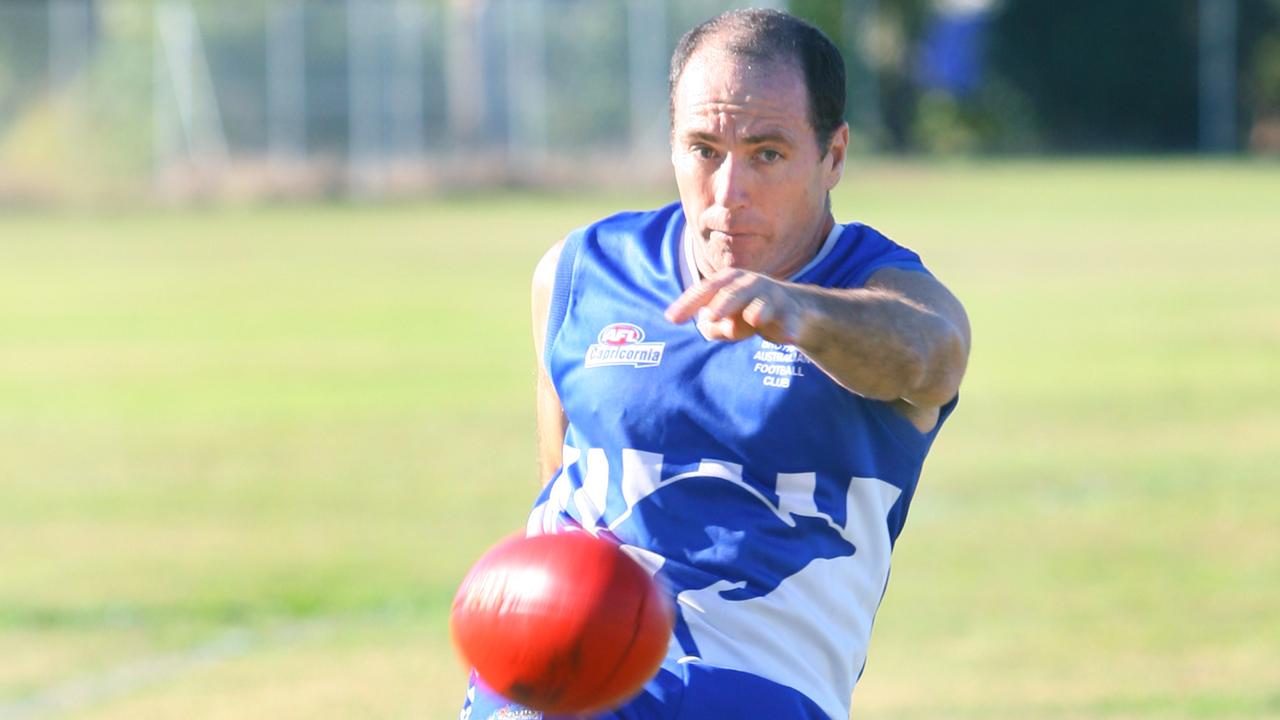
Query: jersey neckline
{"points": [[688, 267]]}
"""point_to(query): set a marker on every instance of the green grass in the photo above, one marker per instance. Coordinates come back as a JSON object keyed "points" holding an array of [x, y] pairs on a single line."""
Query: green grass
{"points": [[246, 456]]}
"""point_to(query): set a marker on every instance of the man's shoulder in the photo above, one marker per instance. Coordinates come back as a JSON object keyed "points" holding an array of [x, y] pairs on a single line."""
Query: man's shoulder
{"points": [[643, 223], [862, 233], [860, 251]]}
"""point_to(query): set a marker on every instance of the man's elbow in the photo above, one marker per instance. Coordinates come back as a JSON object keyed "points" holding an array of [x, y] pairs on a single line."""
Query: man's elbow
{"points": [[938, 366]]}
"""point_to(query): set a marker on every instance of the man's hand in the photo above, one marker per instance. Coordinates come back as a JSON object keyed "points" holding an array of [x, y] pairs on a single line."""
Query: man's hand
{"points": [[739, 304]]}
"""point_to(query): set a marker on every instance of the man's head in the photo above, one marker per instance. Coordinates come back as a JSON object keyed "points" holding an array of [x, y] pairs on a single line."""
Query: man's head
{"points": [[763, 36], [758, 138]]}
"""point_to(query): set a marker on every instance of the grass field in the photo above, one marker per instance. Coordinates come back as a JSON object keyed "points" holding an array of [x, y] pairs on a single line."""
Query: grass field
{"points": [[246, 456]]}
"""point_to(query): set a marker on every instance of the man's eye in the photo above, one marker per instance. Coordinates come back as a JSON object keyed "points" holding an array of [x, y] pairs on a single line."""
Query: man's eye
{"points": [[770, 156], [704, 152]]}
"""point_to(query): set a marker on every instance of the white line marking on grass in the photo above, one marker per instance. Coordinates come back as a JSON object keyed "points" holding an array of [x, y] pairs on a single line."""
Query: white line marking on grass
{"points": [[106, 685]]}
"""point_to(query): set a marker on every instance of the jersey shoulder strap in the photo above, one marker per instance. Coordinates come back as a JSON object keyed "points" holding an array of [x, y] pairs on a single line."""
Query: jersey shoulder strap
{"points": [[612, 235], [562, 289]]}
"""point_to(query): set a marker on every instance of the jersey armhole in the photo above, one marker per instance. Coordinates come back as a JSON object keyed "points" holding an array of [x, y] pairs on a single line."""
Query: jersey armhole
{"points": [[560, 292], [907, 435]]}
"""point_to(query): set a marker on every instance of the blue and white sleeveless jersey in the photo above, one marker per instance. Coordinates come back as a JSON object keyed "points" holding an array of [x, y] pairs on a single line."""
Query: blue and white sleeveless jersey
{"points": [[766, 496]]}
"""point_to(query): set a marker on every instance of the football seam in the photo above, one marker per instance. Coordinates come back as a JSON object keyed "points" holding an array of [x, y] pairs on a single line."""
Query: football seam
{"points": [[635, 633]]}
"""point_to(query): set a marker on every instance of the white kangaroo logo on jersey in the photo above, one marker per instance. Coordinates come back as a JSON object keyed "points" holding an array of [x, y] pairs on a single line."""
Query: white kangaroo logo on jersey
{"points": [[760, 586]]}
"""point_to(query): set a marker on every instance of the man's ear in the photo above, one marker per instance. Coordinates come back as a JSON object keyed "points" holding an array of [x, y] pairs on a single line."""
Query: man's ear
{"points": [[837, 153]]}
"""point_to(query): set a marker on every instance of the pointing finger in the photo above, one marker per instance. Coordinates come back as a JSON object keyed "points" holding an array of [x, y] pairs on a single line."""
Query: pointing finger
{"points": [[735, 298], [686, 306]]}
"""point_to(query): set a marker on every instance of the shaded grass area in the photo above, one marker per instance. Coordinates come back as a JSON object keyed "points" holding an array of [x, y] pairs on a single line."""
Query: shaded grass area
{"points": [[296, 427]]}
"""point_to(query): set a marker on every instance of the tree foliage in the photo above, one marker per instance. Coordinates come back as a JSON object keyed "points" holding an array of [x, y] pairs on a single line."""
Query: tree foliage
{"points": [[1116, 76]]}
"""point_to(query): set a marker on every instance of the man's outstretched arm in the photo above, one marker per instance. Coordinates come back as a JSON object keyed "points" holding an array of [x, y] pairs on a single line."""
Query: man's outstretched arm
{"points": [[904, 338]]}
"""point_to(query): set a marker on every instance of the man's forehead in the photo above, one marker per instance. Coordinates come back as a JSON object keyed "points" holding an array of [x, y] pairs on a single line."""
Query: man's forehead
{"points": [[717, 82]]}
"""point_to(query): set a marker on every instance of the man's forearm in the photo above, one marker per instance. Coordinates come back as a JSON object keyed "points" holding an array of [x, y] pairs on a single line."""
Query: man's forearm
{"points": [[880, 344]]}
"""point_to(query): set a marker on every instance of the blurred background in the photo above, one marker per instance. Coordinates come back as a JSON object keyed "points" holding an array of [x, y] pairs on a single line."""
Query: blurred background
{"points": [[266, 371], [303, 98]]}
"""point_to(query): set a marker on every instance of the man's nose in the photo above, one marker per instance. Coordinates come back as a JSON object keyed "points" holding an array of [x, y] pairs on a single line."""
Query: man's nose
{"points": [[732, 182]]}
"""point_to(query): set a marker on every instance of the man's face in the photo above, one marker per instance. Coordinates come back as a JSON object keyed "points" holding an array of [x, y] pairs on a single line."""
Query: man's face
{"points": [[752, 179]]}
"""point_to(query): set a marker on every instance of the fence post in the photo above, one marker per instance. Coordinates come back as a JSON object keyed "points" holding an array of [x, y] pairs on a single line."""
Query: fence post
{"points": [[286, 82], [409, 24], [464, 74], [364, 99], [180, 50], [1217, 36], [526, 87], [647, 60], [69, 32]]}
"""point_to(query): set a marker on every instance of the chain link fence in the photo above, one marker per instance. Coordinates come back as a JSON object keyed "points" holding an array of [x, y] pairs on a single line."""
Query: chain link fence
{"points": [[270, 98]]}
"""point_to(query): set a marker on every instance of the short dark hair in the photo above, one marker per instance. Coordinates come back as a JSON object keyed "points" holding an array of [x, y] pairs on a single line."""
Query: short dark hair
{"points": [[771, 36]]}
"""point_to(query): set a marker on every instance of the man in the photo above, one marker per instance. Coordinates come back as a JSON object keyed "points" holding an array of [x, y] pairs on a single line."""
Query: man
{"points": [[742, 391]]}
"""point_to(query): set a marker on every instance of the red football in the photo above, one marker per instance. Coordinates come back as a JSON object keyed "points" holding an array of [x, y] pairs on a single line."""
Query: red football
{"points": [[564, 623]]}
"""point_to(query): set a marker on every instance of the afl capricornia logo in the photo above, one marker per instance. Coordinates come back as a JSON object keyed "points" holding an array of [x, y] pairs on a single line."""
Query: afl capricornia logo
{"points": [[623, 344], [620, 334]]}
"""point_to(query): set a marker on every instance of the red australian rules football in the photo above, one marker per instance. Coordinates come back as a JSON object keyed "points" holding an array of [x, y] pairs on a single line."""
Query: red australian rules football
{"points": [[565, 623]]}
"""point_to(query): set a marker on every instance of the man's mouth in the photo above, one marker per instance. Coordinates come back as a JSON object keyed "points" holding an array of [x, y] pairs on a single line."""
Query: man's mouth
{"points": [[730, 235]]}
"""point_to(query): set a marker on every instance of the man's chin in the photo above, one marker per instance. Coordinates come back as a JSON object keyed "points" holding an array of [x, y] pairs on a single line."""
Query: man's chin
{"points": [[734, 261]]}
